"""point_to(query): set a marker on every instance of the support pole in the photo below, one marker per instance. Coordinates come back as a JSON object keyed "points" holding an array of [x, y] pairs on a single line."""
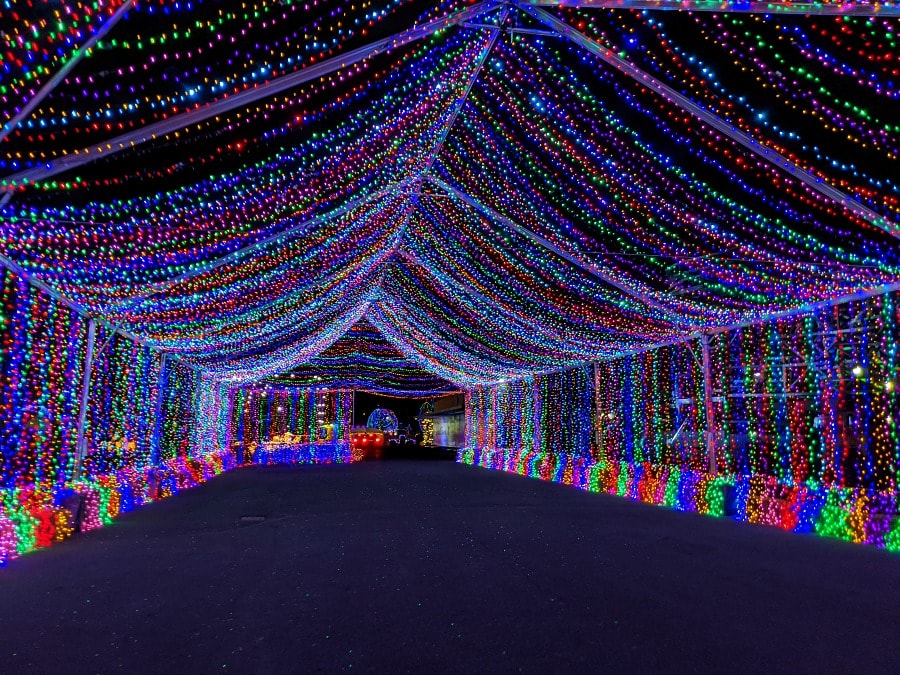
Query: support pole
{"points": [[598, 431], [80, 441], [229, 417], [157, 410], [708, 405]]}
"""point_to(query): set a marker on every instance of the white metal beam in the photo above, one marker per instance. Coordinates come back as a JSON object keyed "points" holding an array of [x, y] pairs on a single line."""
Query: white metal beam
{"points": [[448, 124], [708, 406], [156, 437], [242, 99], [461, 101], [775, 158], [810, 308], [856, 296], [889, 8], [31, 279]]}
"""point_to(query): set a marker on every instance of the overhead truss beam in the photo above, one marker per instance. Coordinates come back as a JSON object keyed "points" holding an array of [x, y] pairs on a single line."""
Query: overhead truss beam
{"points": [[136, 302], [773, 157], [31, 279], [862, 294], [211, 265], [242, 99], [858, 296], [61, 74], [461, 101], [722, 7]]}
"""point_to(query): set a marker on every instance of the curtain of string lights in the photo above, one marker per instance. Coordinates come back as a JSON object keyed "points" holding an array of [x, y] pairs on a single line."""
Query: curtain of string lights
{"points": [[657, 249], [801, 432]]}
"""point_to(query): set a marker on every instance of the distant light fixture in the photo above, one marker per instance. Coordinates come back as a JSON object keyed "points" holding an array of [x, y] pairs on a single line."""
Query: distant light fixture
{"points": [[889, 385], [857, 370]]}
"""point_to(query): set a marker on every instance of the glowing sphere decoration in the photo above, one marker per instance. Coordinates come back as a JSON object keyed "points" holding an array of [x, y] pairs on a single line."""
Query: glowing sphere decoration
{"points": [[383, 420]]}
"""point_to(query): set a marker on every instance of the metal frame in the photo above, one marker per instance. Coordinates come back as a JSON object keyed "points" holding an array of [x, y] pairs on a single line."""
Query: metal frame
{"points": [[242, 99], [61, 74], [531, 7], [775, 158], [570, 257]]}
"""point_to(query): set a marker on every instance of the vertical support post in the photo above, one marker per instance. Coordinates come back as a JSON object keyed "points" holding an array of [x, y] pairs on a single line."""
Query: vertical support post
{"points": [[80, 441], [597, 435], [467, 419], [352, 411], [157, 410], [708, 405], [245, 98]]}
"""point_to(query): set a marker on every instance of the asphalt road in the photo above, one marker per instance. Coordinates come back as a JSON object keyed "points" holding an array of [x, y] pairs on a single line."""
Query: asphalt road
{"points": [[434, 567]]}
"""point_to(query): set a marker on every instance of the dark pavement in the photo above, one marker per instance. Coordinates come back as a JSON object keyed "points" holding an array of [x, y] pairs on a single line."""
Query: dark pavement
{"points": [[434, 567]]}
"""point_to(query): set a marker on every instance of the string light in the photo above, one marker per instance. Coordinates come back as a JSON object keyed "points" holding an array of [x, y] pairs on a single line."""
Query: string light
{"points": [[649, 426], [481, 210], [363, 360]]}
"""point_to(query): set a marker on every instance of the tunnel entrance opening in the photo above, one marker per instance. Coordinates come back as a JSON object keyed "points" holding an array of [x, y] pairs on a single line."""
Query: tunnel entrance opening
{"points": [[406, 427]]}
